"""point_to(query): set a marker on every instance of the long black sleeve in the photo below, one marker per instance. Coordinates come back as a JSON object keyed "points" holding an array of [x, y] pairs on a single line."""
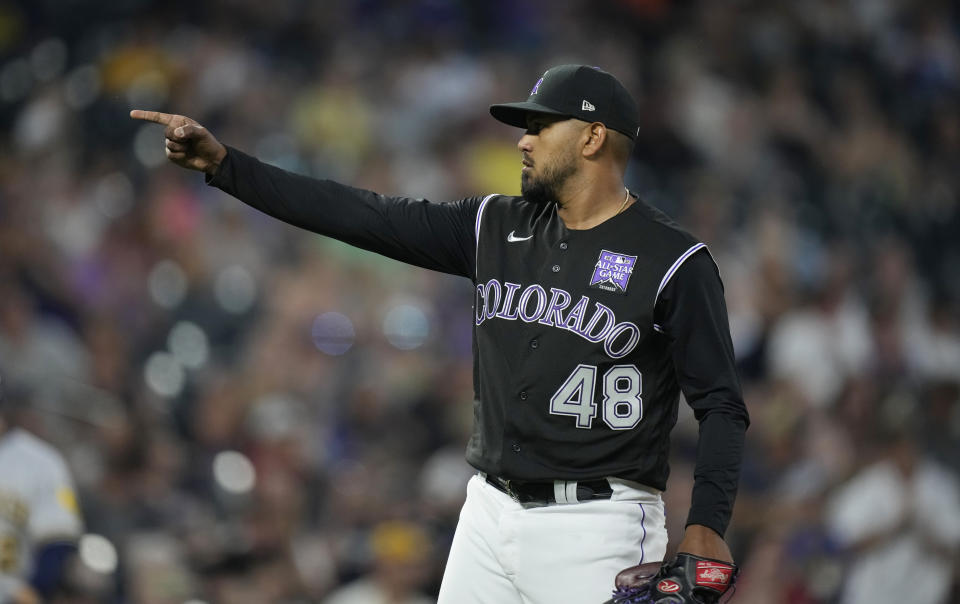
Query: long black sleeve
{"points": [[691, 311], [437, 236]]}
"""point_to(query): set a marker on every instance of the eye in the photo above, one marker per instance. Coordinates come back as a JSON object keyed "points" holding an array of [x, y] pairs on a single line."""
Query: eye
{"points": [[535, 126]]}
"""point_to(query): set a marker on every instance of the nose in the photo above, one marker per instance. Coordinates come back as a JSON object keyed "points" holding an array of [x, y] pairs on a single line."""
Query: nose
{"points": [[525, 144]]}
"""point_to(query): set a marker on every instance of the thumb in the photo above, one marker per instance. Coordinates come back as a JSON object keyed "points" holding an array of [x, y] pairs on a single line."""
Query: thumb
{"points": [[189, 131]]}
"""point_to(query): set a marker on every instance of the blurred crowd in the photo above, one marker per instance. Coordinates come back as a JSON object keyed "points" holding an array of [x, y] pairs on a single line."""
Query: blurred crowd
{"points": [[255, 414]]}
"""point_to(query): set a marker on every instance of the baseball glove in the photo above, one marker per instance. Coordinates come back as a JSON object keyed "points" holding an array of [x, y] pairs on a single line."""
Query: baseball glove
{"points": [[687, 579]]}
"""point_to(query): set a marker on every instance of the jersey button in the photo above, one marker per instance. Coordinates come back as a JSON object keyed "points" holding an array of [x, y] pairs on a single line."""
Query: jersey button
{"points": [[516, 448], [563, 245], [534, 344], [556, 268], [523, 395]]}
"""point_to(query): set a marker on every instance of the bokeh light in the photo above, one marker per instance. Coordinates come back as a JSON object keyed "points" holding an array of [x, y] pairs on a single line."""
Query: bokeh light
{"points": [[189, 344], [235, 289], [98, 554], [333, 333], [406, 326], [167, 284], [164, 374], [234, 472]]}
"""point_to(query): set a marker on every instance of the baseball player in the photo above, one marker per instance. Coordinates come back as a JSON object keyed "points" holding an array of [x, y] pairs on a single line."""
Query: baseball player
{"points": [[39, 518], [592, 312]]}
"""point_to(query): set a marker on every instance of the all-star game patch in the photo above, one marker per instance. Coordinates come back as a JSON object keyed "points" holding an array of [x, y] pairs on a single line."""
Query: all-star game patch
{"points": [[612, 272]]}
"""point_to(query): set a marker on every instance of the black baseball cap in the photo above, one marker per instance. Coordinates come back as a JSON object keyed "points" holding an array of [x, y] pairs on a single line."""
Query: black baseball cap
{"points": [[577, 91]]}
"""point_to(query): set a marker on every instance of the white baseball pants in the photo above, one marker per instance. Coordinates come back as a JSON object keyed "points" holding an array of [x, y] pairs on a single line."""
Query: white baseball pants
{"points": [[503, 553]]}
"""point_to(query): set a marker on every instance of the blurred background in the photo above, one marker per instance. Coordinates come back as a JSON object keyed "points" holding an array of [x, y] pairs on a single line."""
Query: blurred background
{"points": [[252, 413]]}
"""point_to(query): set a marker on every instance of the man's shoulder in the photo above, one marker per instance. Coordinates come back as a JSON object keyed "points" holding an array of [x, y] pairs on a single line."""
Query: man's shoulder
{"points": [[512, 207], [659, 222], [36, 452], [500, 200], [660, 233]]}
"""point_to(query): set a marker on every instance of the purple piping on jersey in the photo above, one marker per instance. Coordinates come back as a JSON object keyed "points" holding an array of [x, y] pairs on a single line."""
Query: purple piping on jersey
{"points": [[657, 328], [643, 523], [476, 230], [673, 269]]}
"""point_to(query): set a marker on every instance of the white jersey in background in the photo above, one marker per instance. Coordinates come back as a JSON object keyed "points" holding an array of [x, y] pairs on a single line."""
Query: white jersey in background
{"points": [[37, 505]]}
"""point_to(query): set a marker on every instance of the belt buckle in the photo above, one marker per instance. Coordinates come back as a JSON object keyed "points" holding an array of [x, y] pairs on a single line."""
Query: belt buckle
{"points": [[508, 486]]}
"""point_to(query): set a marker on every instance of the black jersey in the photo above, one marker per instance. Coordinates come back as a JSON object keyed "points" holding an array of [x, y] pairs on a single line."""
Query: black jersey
{"points": [[574, 378], [582, 338]]}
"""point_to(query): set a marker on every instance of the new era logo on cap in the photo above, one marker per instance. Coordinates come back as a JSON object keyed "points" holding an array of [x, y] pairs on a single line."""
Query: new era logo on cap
{"points": [[588, 106]]}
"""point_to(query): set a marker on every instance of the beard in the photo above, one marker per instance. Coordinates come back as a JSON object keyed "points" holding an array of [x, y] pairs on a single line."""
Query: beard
{"points": [[546, 188]]}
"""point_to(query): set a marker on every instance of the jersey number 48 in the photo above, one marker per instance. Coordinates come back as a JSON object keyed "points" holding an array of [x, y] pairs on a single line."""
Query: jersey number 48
{"points": [[622, 404]]}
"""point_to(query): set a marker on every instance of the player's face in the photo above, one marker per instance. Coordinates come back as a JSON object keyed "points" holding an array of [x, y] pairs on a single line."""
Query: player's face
{"points": [[548, 156]]}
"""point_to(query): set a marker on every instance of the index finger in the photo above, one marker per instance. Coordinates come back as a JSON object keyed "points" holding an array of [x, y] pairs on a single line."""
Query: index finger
{"points": [[152, 116]]}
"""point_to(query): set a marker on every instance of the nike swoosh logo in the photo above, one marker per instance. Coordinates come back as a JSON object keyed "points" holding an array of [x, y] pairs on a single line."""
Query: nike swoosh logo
{"points": [[513, 238]]}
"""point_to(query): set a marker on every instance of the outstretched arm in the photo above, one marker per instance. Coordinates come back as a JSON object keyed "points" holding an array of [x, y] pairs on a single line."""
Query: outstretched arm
{"points": [[438, 236]]}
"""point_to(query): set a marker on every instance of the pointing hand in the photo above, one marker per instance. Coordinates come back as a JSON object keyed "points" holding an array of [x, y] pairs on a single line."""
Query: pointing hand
{"points": [[188, 144]]}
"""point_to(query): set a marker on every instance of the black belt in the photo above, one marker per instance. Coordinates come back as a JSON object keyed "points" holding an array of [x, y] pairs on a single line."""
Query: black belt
{"points": [[543, 493]]}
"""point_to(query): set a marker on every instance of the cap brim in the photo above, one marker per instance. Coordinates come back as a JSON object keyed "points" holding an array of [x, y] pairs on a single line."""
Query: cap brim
{"points": [[515, 114]]}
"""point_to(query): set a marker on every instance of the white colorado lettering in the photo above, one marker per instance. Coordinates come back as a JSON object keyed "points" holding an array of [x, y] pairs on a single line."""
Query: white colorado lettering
{"points": [[496, 300]]}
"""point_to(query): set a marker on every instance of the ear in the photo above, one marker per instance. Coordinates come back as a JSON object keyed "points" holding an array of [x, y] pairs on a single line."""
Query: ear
{"points": [[595, 135]]}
